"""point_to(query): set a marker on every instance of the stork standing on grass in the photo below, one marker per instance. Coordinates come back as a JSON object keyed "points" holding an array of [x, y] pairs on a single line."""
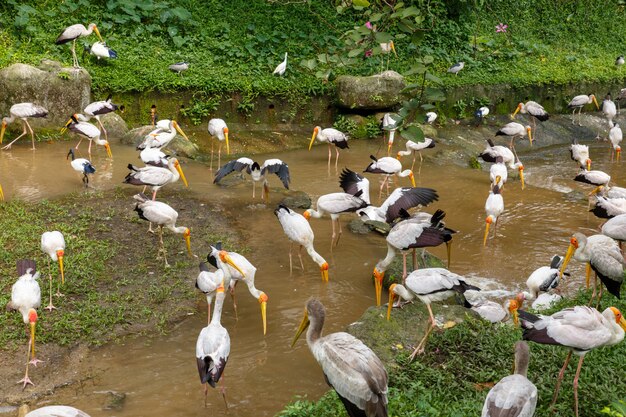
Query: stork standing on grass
{"points": [[53, 245], [71, 33]]}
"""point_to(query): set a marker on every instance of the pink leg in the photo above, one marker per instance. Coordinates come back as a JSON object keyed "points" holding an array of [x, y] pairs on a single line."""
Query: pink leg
{"points": [[15, 140], [337, 158], [330, 154], [219, 155], [32, 134], [404, 267], [154, 194], [209, 312], [560, 379], [89, 150], [580, 365], [103, 129], [212, 145], [79, 142]]}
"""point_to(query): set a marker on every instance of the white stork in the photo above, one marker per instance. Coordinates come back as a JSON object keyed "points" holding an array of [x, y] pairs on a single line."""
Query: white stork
{"points": [[88, 131], [53, 245], [208, 282], [388, 166], [494, 206], [615, 137], [601, 254], [607, 208], [429, 285], [52, 411], [513, 130], [179, 67], [352, 369], [595, 177], [533, 108], [97, 109], [101, 50], [71, 33], [513, 395], [492, 152], [237, 268], [330, 136], [496, 313], [413, 147], [298, 230], [22, 111], [25, 298], [401, 198], [218, 129], [154, 157], [162, 215], [456, 68], [213, 347], [390, 125], [82, 166], [498, 170], [156, 177], [407, 234], [282, 67], [609, 110], [611, 192], [580, 329], [258, 173], [166, 132], [615, 228], [334, 204], [579, 102], [580, 153], [544, 278]]}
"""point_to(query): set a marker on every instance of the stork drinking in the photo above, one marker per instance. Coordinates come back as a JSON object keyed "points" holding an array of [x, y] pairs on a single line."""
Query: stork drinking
{"points": [[22, 111]]}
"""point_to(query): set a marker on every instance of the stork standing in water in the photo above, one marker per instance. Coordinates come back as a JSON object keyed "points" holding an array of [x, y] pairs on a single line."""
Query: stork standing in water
{"points": [[580, 153], [514, 130], [213, 348], [580, 329], [407, 234], [615, 137], [579, 102], [388, 166], [281, 68], [208, 282], [218, 129], [53, 245], [494, 206], [429, 284], [513, 395], [97, 109], [413, 147], [298, 230], [87, 130], [156, 177], [595, 177], [335, 204], [71, 33], [492, 152], [237, 268], [390, 126], [609, 110], [162, 215], [257, 172], [164, 133], [536, 111], [25, 298], [82, 166], [352, 369], [330, 136], [22, 111]]}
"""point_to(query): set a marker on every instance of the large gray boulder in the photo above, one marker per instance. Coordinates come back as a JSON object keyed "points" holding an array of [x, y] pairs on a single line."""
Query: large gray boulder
{"points": [[380, 91], [178, 146], [63, 91], [114, 124]]}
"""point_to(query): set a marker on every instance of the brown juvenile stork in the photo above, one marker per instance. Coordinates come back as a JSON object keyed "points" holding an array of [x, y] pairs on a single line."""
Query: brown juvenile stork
{"points": [[71, 33], [22, 111]]}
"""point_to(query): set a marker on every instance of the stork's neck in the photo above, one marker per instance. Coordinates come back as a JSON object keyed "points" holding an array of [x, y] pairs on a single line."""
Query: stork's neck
{"points": [[382, 266], [315, 213], [521, 362], [315, 330], [217, 310], [317, 258], [9, 119], [179, 229], [405, 153], [403, 292], [405, 173]]}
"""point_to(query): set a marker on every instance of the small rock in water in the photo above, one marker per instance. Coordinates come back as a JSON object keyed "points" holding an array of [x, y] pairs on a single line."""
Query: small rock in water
{"points": [[114, 400], [297, 200]]}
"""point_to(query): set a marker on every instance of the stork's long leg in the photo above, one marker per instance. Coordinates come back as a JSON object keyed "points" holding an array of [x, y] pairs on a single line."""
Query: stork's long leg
{"points": [[50, 306], [337, 157], [32, 134], [300, 256], [15, 140], [212, 145], [253, 188], [223, 391], [232, 295], [560, 379], [26, 380], [162, 246], [74, 57], [89, 150], [415, 264], [219, 154], [332, 238], [580, 365], [290, 264], [340, 231], [330, 154], [79, 142], [208, 304]]}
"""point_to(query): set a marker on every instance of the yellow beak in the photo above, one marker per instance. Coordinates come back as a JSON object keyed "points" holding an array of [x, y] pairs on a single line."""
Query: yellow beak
{"points": [[312, 139], [264, 313], [622, 323], [412, 179], [303, 325], [95, 29], [389, 145], [32, 339], [487, 224], [618, 152], [378, 284], [587, 274], [1, 194], [179, 130], [64, 128], [589, 164], [182, 175], [108, 148], [188, 243], [227, 145], [61, 269], [515, 317], [392, 297], [519, 107], [521, 176], [595, 102], [324, 269], [530, 136], [393, 48], [568, 256], [226, 258], [4, 127]]}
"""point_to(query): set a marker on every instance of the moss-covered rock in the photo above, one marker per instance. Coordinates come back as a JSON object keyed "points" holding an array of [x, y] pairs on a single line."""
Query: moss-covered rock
{"points": [[63, 91], [376, 92], [114, 124]]}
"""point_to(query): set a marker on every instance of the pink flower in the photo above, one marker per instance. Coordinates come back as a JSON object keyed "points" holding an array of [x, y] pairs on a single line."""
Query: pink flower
{"points": [[501, 28], [368, 53], [369, 25]]}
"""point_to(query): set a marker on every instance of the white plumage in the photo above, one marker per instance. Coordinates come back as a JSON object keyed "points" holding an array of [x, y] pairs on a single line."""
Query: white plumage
{"points": [[101, 50], [609, 110], [593, 177], [606, 208], [579, 102], [498, 170], [26, 293], [513, 130], [390, 126], [615, 228], [534, 109], [494, 206], [22, 111], [82, 166], [57, 411], [53, 245], [456, 67], [86, 130], [544, 278], [282, 67], [330, 136], [218, 129], [388, 166], [615, 137], [161, 137], [431, 116], [73, 32], [97, 109], [298, 230], [156, 177], [208, 282], [496, 153], [580, 153], [413, 147]]}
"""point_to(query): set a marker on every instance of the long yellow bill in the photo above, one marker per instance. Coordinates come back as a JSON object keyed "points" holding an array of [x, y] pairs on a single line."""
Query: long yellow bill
{"points": [[32, 338], [378, 284], [4, 127], [187, 236], [303, 325], [64, 128], [108, 148], [324, 269], [521, 175], [225, 257], [1, 192], [568, 256], [179, 130], [393, 48], [587, 274], [530, 136], [595, 102], [95, 28], [180, 172], [263, 301], [622, 323], [519, 107], [412, 178], [313, 138], [487, 224], [226, 139], [60, 258], [392, 297]]}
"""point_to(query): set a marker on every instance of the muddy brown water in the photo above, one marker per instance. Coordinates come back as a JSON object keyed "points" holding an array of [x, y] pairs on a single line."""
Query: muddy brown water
{"points": [[158, 374]]}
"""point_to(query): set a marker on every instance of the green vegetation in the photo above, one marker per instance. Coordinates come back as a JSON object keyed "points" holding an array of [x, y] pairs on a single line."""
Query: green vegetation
{"points": [[109, 289], [454, 375]]}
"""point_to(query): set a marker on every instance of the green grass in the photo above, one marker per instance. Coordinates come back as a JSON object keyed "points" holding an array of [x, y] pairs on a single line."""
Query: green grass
{"points": [[448, 380]]}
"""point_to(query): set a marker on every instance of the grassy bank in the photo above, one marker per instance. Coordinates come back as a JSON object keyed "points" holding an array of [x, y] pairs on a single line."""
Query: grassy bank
{"points": [[461, 363], [234, 45]]}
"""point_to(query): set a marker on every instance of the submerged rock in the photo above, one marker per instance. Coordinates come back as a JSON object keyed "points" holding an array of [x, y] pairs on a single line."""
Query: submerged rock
{"points": [[376, 92], [296, 200]]}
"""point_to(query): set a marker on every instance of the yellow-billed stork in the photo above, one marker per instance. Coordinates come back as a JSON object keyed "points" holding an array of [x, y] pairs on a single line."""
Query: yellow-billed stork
{"points": [[87, 130], [53, 245], [580, 329], [156, 177], [257, 172], [413, 147], [579, 102], [208, 282], [162, 215], [388, 166], [298, 230], [97, 109], [607, 208], [218, 129], [389, 125], [330, 136], [513, 395], [22, 111], [82, 166], [580, 153], [544, 278], [166, 132], [282, 67], [494, 206], [71, 33], [492, 152], [533, 108], [351, 368], [514, 130], [594, 177], [428, 285], [609, 110], [615, 137]]}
